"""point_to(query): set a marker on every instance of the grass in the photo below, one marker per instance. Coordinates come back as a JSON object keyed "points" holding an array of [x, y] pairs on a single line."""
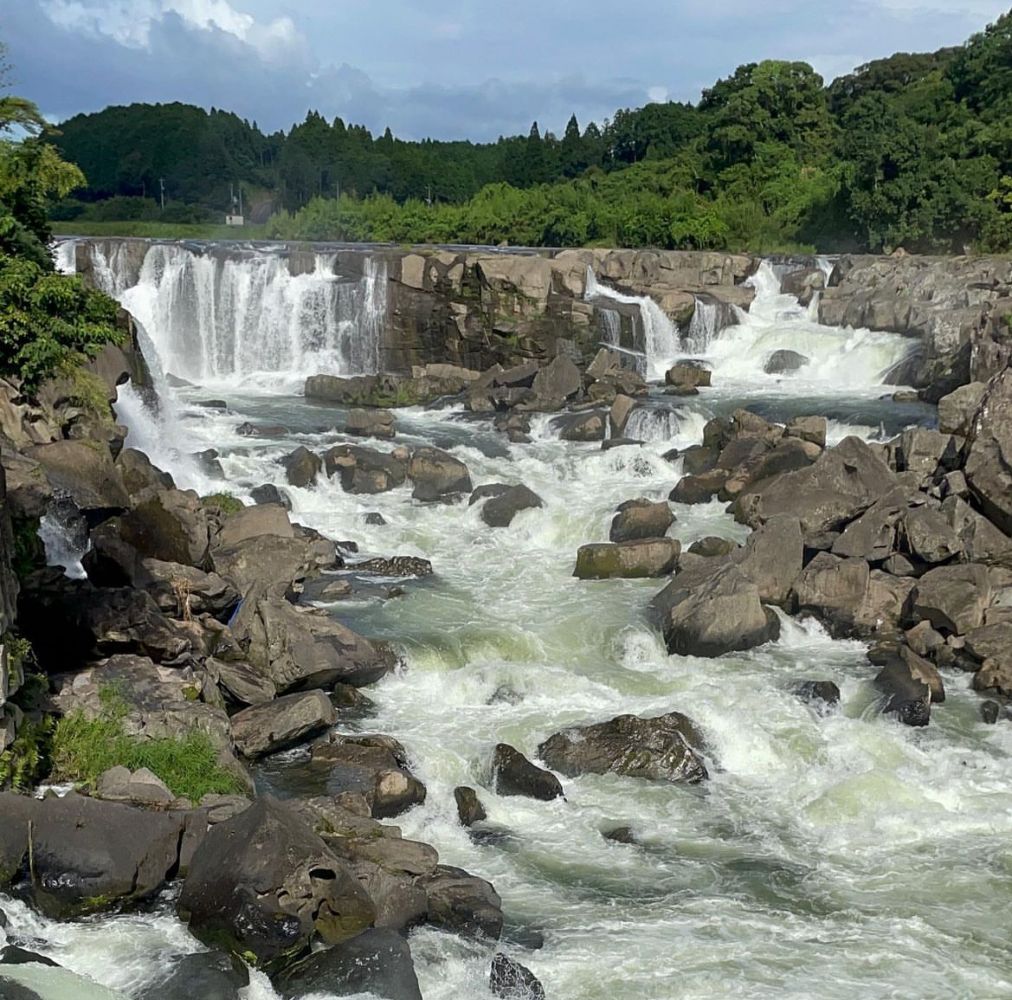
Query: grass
{"points": [[83, 748], [161, 230], [88, 391], [224, 502]]}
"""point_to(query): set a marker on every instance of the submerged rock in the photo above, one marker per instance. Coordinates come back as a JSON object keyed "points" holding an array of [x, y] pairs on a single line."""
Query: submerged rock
{"points": [[462, 903], [512, 981], [514, 774], [469, 807], [785, 362]]}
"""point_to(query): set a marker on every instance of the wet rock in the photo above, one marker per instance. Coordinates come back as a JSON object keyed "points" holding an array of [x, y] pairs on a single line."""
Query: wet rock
{"points": [[618, 416], [13, 955], [261, 430], [952, 598], [905, 696], [206, 975], [638, 519], [469, 807], [819, 693], [285, 722], [610, 444], [785, 362], [514, 774], [84, 472], [582, 427], [374, 766], [212, 404], [141, 787], [395, 566], [650, 557], [713, 612], [363, 470], [701, 488], [268, 493], [887, 656], [371, 423], [375, 518], [505, 503], [377, 962], [462, 903], [620, 835], [665, 748], [263, 884], [138, 473], [696, 459], [512, 981], [712, 546], [990, 711], [803, 284], [302, 467], [437, 475], [87, 855], [996, 676], [687, 375]]}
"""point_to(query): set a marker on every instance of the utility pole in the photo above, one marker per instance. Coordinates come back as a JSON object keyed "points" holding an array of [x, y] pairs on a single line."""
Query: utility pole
{"points": [[161, 184], [240, 202]]}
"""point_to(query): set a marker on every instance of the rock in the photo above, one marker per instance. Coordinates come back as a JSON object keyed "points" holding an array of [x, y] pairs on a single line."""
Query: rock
{"points": [[376, 962], [712, 546], [819, 693], [13, 955], [212, 404], [559, 380], [141, 787], [84, 472], [514, 774], [979, 539], [582, 427], [371, 423], [170, 525], [397, 566], [261, 430], [803, 284], [240, 682], [437, 475], [618, 416], [772, 558], [929, 536], [469, 807], [714, 612], [906, 696], [462, 903], [373, 766], [811, 429], [270, 494], [87, 855], [701, 488], [988, 470], [785, 362], [918, 667], [637, 519], [375, 518], [206, 975], [873, 535], [957, 410], [365, 471], [263, 884], [843, 483], [208, 463], [513, 981], [621, 835], [27, 982], [268, 562], [990, 642], [285, 722], [923, 639], [927, 452], [994, 675], [650, 557], [832, 589], [952, 598], [138, 473], [500, 509], [302, 649], [683, 374], [252, 522], [665, 748], [989, 712], [302, 467]]}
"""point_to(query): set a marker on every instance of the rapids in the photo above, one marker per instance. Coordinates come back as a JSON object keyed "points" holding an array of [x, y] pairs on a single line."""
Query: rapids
{"points": [[834, 856]]}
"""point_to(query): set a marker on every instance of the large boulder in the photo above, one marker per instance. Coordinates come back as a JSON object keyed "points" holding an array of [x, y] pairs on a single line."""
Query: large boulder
{"points": [[300, 649], [502, 505], [683, 374], [558, 381], [371, 423], [376, 962], [362, 470], [170, 525], [276, 725], [957, 410], [713, 611], [843, 483], [514, 774], [140, 474], [649, 557], [772, 557], [437, 475], [83, 471], [462, 903], [270, 563], [666, 748], [785, 362], [302, 466], [264, 885], [252, 522], [86, 854], [989, 461], [832, 589], [953, 598], [582, 426], [637, 519], [905, 695], [512, 981]]}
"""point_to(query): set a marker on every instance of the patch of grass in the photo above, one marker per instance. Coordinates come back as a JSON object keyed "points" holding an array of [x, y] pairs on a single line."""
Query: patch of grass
{"points": [[88, 392], [160, 230], [84, 748], [224, 502], [25, 761]]}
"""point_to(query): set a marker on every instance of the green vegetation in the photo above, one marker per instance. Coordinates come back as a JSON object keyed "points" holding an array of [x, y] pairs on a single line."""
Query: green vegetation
{"points": [[46, 320], [159, 230], [25, 761], [223, 502], [83, 748], [914, 150]]}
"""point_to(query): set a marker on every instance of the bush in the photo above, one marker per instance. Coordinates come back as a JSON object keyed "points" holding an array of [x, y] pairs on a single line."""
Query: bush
{"points": [[49, 321]]}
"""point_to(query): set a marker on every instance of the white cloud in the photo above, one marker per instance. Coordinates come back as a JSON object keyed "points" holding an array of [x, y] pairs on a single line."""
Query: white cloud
{"points": [[657, 94]]}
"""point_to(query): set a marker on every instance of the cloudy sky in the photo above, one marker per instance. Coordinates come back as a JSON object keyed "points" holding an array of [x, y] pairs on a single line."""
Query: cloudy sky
{"points": [[443, 68]]}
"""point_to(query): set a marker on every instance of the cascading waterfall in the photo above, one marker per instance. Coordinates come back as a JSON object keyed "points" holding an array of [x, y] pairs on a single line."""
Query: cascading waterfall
{"points": [[659, 342], [246, 317], [611, 327], [703, 326], [65, 256]]}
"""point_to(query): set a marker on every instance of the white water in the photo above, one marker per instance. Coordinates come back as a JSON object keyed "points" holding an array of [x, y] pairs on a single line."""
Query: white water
{"points": [[64, 256], [65, 539], [832, 857]]}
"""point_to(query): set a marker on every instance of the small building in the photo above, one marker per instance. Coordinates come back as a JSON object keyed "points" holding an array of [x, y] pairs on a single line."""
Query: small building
{"points": [[234, 220]]}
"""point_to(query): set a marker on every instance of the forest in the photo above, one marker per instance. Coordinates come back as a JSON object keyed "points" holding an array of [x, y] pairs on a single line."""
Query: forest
{"points": [[911, 151]]}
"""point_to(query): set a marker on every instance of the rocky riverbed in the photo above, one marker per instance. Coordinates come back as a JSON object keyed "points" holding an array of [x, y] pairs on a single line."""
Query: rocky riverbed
{"points": [[524, 682]]}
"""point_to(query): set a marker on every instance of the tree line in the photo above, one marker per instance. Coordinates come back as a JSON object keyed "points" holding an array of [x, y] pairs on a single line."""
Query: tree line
{"points": [[914, 150]]}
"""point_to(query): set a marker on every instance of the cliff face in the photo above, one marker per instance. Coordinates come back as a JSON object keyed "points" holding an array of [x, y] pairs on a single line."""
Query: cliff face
{"points": [[958, 307]]}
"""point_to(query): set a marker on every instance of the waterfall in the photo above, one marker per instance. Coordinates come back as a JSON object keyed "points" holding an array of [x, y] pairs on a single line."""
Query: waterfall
{"points": [[611, 327], [64, 535], [658, 342], [244, 316], [65, 256], [703, 327]]}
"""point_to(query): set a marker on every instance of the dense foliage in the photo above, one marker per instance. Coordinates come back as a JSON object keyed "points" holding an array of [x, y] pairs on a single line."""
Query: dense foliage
{"points": [[913, 150], [46, 320]]}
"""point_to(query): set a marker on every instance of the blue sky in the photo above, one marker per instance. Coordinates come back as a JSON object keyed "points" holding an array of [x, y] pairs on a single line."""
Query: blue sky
{"points": [[442, 68]]}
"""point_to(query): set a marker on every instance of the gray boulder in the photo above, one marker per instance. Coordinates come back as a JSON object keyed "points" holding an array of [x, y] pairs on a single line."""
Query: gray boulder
{"points": [[666, 748], [301, 467], [469, 807], [501, 507], [785, 362], [83, 471], [170, 525], [906, 696], [462, 903], [559, 380], [637, 519], [582, 426], [512, 981], [276, 725], [953, 598], [957, 410], [650, 557], [437, 475], [362, 470], [989, 461], [514, 774], [371, 423]]}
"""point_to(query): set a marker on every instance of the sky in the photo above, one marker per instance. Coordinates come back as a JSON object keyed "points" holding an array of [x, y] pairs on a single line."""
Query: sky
{"points": [[449, 69]]}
